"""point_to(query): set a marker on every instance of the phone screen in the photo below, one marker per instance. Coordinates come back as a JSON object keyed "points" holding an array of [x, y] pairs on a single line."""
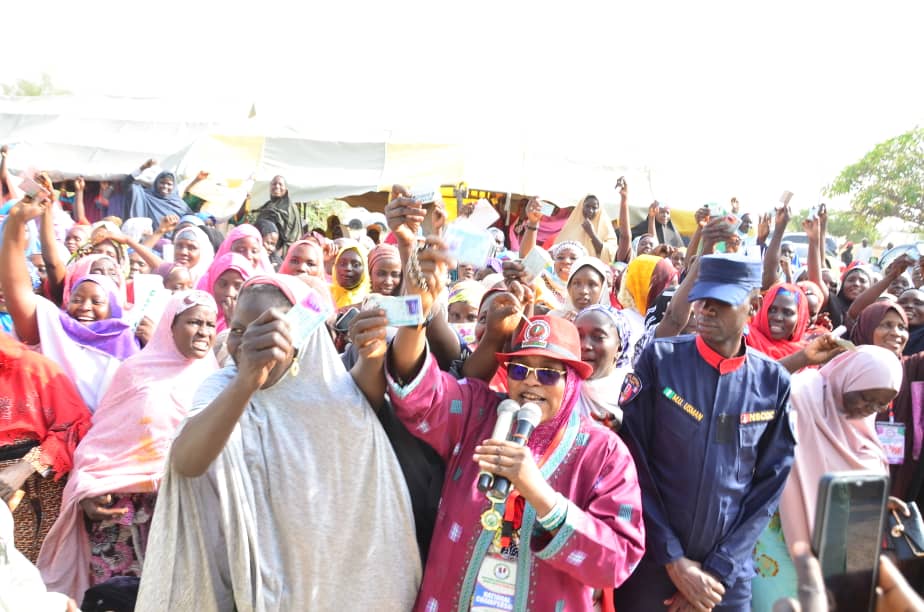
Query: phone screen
{"points": [[850, 541]]}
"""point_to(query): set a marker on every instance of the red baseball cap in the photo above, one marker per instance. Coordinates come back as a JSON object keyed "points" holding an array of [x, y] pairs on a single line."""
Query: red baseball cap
{"points": [[552, 337]]}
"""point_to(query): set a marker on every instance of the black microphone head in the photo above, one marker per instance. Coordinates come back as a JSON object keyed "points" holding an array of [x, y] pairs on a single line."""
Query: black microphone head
{"points": [[531, 413], [507, 406]]}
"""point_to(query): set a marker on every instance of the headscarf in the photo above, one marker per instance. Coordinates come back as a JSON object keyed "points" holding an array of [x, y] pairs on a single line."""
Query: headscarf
{"points": [[228, 261], [636, 283], [285, 216], [839, 304], [206, 250], [344, 296], [663, 276], [759, 331], [601, 269], [467, 291], [80, 268], [312, 244], [245, 230], [148, 203], [618, 320], [165, 268], [381, 253], [126, 448], [870, 319], [574, 230], [138, 227], [112, 336], [828, 441]]}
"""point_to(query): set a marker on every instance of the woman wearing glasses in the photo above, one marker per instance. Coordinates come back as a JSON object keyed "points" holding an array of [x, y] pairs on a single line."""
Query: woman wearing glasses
{"points": [[572, 526]]}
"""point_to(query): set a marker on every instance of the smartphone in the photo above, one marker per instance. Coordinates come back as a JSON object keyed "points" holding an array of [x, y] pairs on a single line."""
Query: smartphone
{"points": [[847, 538], [342, 324]]}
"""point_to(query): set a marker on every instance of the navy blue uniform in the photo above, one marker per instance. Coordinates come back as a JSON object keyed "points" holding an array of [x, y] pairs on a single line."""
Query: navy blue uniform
{"points": [[713, 444]]}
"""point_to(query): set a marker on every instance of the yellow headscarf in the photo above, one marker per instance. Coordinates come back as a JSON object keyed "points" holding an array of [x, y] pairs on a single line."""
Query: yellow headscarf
{"points": [[573, 230], [346, 296], [636, 283]]}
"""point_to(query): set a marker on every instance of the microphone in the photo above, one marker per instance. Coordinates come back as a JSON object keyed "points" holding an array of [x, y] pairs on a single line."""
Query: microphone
{"points": [[505, 411], [528, 418]]}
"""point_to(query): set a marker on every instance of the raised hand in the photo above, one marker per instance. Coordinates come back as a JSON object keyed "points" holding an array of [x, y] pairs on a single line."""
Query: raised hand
{"points": [[202, 175], [622, 187], [404, 216], [901, 263], [782, 217], [367, 333], [265, 343], [168, 224], [534, 211], [427, 271], [702, 216], [763, 228], [653, 209], [149, 163]]}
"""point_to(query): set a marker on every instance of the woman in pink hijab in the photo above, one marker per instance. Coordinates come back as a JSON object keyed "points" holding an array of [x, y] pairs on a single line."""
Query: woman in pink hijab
{"points": [[109, 499], [246, 240], [834, 410]]}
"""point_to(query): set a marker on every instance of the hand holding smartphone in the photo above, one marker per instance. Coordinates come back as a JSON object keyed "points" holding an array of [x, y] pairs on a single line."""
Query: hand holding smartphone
{"points": [[847, 537]]}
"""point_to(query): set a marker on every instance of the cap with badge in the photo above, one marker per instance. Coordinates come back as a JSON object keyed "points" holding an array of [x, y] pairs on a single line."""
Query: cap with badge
{"points": [[552, 337], [726, 278]]}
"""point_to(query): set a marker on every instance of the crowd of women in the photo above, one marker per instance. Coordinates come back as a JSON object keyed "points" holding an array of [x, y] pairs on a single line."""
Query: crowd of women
{"points": [[251, 434]]}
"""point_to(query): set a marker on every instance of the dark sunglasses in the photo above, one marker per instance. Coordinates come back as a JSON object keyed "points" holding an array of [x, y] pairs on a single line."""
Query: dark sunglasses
{"points": [[545, 376]]}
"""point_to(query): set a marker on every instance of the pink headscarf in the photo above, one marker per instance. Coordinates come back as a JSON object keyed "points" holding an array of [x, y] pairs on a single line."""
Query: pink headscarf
{"points": [[80, 268], [284, 267], [228, 261], [827, 440], [294, 289], [125, 450], [246, 231]]}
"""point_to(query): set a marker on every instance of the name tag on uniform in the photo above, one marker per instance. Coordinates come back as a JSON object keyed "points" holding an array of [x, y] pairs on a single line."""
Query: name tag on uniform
{"points": [[683, 404], [764, 416]]}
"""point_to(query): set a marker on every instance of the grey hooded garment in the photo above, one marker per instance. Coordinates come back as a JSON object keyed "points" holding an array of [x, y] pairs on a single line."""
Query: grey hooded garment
{"points": [[304, 509]]}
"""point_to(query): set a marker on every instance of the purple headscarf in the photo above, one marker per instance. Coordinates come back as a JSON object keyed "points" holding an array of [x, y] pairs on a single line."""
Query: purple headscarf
{"points": [[112, 336]]}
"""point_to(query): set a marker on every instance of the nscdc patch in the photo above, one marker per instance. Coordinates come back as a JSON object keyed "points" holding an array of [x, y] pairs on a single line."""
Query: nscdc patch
{"points": [[631, 387]]}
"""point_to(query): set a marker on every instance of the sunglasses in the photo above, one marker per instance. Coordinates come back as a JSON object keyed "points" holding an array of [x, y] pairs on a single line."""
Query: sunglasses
{"points": [[545, 376]]}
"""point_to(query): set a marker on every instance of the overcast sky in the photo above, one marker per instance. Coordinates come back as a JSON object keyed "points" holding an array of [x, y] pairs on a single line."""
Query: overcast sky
{"points": [[719, 99]]}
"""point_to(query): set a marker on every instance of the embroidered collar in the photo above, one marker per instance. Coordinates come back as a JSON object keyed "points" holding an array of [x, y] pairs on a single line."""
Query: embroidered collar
{"points": [[722, 364]]}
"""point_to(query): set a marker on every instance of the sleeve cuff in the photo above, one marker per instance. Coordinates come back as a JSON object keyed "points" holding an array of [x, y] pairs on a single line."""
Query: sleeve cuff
{"points": [[558, 542], [721, 567], [400, 390]]}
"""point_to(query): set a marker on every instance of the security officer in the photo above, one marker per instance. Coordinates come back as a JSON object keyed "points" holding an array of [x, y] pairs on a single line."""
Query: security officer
{"points": [[707, 421]]}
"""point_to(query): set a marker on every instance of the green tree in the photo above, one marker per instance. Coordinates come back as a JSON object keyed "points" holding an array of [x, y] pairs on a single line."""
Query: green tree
{"points": [[888, 181], [24, 87]]}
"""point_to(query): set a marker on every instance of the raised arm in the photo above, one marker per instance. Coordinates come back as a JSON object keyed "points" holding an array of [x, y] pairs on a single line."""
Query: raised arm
{"points": [[813, 231], [822, 236], [167, 225], [772, 254], [677, 315], [80, 211], [7, 184], [425, 278], [201, 176], [503, 319], [265, 342], [893, 271], [21, 302], [530, 233], [702, 218], [652, 216], [368, 335], [55, 265], [149, 256], [624, 253]]}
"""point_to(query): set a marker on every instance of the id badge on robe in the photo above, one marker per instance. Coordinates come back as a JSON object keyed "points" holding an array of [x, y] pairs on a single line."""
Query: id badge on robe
{"points": [[892, 438], [495, 586]]}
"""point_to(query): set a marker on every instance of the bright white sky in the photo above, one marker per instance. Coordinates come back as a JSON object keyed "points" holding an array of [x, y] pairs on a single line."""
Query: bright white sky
{"points": [[719, 99]]}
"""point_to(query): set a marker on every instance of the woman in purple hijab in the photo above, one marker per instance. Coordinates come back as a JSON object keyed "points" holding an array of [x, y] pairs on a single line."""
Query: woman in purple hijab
{"points": [[87, 337]]}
